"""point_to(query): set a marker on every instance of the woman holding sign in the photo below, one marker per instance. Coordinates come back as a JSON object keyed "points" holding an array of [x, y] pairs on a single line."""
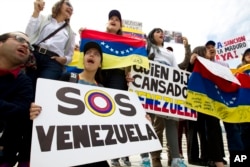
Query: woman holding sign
{"points": [[114, 78], [90, 76], [157, 52]]}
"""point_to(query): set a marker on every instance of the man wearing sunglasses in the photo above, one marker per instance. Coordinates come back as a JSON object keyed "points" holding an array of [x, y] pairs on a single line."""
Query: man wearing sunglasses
{"points": [[16, 95]]}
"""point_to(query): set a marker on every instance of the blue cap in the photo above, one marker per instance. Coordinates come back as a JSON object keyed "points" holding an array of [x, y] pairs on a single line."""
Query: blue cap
{"points": [[210, 43]]}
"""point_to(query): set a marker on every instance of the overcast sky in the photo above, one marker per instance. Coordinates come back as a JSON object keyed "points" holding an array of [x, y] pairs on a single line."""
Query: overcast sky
{"points": [[198, 20]]}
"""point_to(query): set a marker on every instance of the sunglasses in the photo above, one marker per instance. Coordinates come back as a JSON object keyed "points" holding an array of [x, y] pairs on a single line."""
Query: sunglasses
{"points": [[68, 4], [22, 40]]}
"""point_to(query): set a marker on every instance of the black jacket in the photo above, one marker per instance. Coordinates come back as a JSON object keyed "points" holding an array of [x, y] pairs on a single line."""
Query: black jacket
{"points": [[16, 95]]}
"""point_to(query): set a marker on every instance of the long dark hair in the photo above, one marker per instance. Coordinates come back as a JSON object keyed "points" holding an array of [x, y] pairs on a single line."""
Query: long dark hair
{"points": [[151, 43], [98, 74]]}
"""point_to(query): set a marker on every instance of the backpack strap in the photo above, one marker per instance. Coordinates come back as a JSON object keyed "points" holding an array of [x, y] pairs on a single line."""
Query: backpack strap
{"points": [[73, 77]]}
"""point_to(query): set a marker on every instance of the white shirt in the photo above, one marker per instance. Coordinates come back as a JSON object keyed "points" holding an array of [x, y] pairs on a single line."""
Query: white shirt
{"points": [[57, 42], [165, 56]]}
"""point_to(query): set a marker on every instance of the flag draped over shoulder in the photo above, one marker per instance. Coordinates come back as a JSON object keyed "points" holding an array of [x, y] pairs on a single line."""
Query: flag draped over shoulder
{"points": [[118, 51], [214, 95]]}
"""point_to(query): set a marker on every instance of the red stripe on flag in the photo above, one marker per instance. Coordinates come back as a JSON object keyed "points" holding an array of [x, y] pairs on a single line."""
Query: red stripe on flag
{"points": [[244, 80], [97, 35], [223, 84]]}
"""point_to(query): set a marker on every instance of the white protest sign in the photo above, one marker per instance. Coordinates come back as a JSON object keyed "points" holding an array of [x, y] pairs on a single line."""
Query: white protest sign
{"points": [[81, 124], [136, 25], [162, 90], [132, 29], [231, 48]]}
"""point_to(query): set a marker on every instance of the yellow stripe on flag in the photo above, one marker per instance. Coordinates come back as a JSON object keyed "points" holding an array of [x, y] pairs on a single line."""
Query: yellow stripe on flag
{"points": [[110, 61], [202, 103], [241, 69], [126, 29], [77, 60]]}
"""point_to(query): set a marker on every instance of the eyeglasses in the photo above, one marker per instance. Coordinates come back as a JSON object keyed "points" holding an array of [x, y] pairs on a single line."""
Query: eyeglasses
{"points": [[68, 4], [22, 40]]}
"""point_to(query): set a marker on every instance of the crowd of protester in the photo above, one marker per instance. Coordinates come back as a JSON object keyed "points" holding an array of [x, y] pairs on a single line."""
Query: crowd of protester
{"points": [[52, 42]]}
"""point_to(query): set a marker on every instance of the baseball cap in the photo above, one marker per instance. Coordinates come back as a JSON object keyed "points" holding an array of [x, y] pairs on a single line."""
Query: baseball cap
{"points": [[210, 43], [90, 45], [115, 13]]}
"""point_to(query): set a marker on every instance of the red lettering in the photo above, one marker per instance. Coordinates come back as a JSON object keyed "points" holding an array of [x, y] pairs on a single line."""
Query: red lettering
{"points": [[173, 109], [165, 110], [156, 108], [229, 56], [217, 57], [223, 56], [179, 111], [235, 40], [236, 56], [193, 114], [188, 114]]}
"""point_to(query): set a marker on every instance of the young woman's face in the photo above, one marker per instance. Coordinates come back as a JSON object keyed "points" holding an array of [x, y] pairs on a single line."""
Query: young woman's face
{"points": [[92, 60], [66, 9], [114, 24], [247, 58], [158, 37]]}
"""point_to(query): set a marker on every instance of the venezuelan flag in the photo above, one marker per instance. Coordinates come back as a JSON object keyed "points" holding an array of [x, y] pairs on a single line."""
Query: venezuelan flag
{"points": [[218, 97], [76, 65], [118, 51], [243, 69]]}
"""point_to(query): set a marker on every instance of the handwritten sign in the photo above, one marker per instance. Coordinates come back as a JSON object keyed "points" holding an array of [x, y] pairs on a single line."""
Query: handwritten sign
{"points": [[231, 49]]}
